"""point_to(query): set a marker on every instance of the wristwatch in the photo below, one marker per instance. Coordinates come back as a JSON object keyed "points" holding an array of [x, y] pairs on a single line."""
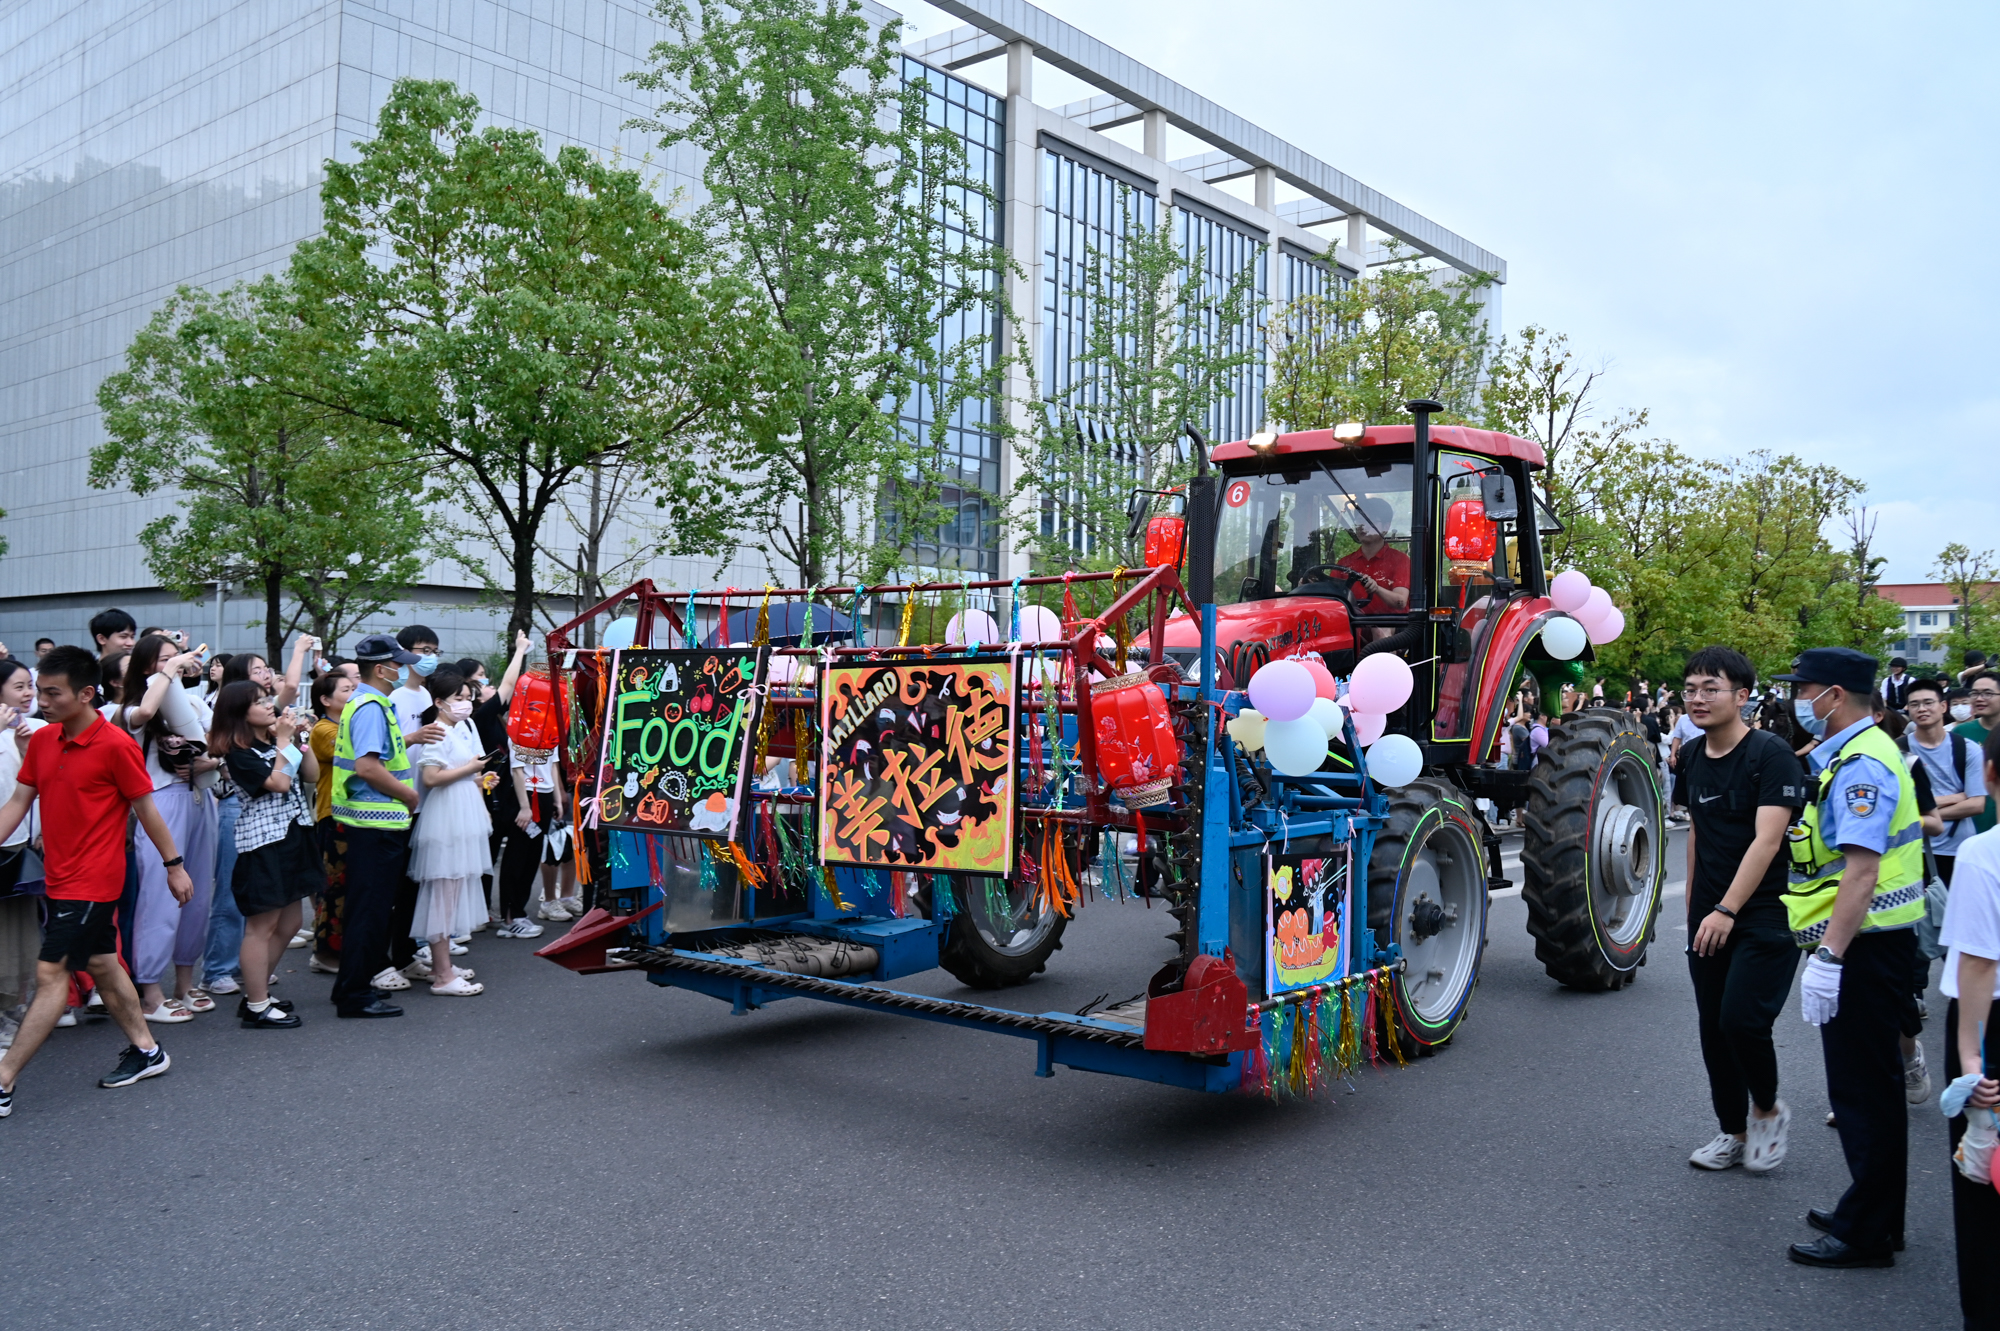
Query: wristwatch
{"points": [[174, 863], [1825, 954]]}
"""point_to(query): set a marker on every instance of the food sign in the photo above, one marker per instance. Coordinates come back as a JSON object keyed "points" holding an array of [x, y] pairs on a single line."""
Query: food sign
{"points": [[677, 738], [1307, 901], [917, 765]]}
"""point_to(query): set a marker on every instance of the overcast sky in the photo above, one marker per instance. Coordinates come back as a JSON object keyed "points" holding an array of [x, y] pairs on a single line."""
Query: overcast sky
{"points": [[1763, 218]]}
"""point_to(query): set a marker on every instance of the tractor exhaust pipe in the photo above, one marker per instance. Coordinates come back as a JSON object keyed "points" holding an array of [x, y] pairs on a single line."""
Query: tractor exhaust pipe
{"points": [[1420, 512], [1201, 524]]}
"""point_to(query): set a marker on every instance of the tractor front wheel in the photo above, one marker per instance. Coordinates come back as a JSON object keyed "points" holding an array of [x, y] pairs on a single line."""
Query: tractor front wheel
{"points": [[1427, 895], [999, 934], [1595, 857]]}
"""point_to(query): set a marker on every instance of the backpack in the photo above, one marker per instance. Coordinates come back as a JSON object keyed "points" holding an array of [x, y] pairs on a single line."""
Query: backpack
{"points": [[1523, 746]]}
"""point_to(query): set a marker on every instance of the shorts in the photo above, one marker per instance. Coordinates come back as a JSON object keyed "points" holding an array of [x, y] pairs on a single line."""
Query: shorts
{"points": [[79, 930]]}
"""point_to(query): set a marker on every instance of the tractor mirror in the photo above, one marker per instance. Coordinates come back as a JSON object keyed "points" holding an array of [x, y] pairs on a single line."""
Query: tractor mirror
{"points": [[1496, 492], [1138, 508]]}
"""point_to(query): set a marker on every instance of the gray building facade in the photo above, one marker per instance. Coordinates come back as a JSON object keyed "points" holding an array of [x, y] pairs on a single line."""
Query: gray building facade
{"points": [[147, 144]]}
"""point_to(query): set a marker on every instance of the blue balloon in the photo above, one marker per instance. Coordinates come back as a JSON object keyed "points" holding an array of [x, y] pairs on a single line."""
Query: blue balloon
{"points": [[621, 632]]}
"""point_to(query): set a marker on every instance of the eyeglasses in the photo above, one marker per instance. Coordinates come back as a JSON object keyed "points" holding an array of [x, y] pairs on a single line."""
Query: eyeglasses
{"points": [[1985, 693], [1709, 694], [1915, 703]]}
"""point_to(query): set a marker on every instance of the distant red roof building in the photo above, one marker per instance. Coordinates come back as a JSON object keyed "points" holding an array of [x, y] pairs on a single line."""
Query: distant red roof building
{"points": [[1929, 608]]}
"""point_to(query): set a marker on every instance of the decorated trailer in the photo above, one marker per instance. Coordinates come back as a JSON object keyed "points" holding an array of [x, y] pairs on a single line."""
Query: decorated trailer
{"points": [[786, 804]]}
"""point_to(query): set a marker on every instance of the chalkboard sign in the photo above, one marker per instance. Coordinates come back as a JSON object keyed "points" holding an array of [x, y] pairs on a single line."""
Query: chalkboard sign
{"points": [[917, 765], [678, 730]]}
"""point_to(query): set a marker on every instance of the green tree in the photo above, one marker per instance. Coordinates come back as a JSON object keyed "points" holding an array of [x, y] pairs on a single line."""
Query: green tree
{"points": [[305, 504], [827, 192], [1400, 333], [1971, 577], [1162, 346], [1849, 611], [516, 319]]}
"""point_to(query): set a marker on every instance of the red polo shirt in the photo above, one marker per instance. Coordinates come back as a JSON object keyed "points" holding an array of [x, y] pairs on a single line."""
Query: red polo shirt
{"points": [[86, 786], [1390, 567]]}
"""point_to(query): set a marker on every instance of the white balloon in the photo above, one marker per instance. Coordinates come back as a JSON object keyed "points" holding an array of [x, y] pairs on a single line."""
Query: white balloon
{"points": [[1329, 716], [620, 632], [1039, 624], [1563, 638], [1368, 727], [1295, 748], [970, 626], [1247, 729], [1570, 590], [784, 669], [1395, 760]]}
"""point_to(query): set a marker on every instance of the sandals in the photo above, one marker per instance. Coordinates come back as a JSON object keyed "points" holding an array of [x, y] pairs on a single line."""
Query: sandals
{"points": [[197, 1001], [460, 987], [169, 1013]]}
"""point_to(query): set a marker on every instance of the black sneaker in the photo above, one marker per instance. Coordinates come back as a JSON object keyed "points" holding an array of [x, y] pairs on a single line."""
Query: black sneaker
{"points": [[271, 1018], [135, 1066]]}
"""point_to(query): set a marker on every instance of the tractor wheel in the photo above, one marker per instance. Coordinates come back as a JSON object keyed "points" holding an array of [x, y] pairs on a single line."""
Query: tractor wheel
{"points": [[998, 935], [1427, 895], [1595, 857]]}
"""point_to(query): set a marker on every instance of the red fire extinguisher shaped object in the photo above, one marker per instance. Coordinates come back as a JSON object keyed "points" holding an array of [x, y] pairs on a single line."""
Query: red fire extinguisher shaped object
{"points": [[532, 723], [1468, 534], [1166, 541], [1137, 754]]}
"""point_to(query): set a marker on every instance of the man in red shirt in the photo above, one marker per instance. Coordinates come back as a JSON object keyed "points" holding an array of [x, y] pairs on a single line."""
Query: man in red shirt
{"points": [[89, 774], [1384, 570]]}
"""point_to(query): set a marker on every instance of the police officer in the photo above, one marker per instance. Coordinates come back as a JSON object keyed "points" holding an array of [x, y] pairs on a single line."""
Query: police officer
{"points": [[1854, 897]]}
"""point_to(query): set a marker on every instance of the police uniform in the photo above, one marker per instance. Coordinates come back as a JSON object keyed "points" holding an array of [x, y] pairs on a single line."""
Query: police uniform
{"points": [[1863, 799], [378, 837]]}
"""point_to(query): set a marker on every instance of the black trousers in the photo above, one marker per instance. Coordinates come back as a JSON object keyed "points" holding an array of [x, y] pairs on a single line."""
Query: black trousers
{"points": [[376, 858], [402, 915], [1864, 1084], [1738, 994], [520, 869], [1975, 1213]]}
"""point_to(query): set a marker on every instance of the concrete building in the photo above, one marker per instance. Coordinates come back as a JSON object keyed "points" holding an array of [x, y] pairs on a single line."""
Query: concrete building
{"points": [[1929, 610], [146, 144]]}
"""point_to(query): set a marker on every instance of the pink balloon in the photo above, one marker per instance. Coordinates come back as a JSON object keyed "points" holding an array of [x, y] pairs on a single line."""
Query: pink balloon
{"points": [[1282, 690], [1323, 685], [1595, 608], [1608, 628], [784, 669], [1570, 590], [1380, 684], [1368, 727], [1039, 624], [970, 626]]}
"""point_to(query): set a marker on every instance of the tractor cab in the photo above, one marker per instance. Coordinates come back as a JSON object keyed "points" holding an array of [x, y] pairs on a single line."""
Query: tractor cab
{"points": [[1330, 541]]}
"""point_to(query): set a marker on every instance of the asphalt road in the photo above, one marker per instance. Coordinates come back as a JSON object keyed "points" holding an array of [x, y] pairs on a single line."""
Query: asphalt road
{"points": [[598, 1153]]}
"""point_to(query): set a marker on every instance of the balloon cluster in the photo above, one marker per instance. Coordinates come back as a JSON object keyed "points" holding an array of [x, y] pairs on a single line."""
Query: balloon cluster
{"points": [[1589, 606], [1296, 711]]}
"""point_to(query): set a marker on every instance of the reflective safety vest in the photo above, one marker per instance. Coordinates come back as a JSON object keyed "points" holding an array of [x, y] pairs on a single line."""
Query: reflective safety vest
{"points": [[386, 813], [1816, 867]]}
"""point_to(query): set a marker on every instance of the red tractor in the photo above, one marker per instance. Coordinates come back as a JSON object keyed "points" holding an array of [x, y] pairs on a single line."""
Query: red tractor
{"points": [[1424, 541]]}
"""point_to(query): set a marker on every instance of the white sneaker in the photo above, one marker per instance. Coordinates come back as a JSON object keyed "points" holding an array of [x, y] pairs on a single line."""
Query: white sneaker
{"points": [[1916, 1078], [518, 929], [68, 1018], [574, 905], [301, 938], [1766, 1144], [389, 978], [1725, 1152], [424, 954], [223, 984], [458, 949], [318, 967], [554, 912]]}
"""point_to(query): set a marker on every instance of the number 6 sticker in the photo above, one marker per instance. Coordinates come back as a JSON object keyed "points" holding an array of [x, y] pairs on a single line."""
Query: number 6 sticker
{"points": [[1237, 495]]}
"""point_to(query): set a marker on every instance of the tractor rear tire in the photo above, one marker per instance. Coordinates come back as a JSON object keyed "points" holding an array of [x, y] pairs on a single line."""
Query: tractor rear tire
{"points": [[1427, 895], [1595, 854], [988, 945]]}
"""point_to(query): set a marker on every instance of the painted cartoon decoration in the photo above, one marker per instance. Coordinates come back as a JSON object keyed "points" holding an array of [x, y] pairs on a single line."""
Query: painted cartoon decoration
{"points": [[678, 731], [1305, 921], [919, 771]]}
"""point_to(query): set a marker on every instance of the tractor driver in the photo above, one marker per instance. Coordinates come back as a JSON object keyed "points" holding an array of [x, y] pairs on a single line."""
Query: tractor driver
{"points": [[1384, 586]]}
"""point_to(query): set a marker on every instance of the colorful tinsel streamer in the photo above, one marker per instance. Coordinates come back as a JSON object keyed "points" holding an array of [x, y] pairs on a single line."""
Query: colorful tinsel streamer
{"points": [[1310, 1045]]}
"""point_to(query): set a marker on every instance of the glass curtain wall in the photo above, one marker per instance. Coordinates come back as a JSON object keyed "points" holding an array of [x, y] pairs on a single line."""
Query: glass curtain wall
{"points": [[1224, 255], [968, 542]]}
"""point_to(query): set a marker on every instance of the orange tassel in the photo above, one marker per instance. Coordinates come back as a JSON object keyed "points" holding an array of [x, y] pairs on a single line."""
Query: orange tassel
{"points": [[750, 872]]}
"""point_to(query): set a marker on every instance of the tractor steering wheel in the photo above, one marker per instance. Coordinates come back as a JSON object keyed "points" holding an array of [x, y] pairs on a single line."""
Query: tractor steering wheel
{"points": [[1345, 593]]}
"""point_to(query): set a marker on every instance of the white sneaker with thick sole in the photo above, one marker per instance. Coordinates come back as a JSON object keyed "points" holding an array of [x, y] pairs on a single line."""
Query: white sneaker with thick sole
{"points": [[1725, 1152], [574, 905], [1765, 1146], [223, 984], [518, 929], [554, 912], [389, 978], [1916, 1078]]}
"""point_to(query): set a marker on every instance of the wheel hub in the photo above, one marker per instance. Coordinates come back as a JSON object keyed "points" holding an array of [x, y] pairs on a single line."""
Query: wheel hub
{"points": [[1624, 850], [1428, 918]]}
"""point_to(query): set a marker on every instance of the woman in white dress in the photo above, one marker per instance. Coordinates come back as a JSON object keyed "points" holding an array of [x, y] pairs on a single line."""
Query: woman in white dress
{"points": [[449, 850]]}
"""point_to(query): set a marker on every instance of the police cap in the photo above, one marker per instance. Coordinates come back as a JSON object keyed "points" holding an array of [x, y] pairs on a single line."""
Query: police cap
{"points": [[1838, 667]]}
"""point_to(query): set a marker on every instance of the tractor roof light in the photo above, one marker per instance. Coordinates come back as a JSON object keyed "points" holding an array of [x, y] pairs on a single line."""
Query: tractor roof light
{"points": [[1349, 432]]}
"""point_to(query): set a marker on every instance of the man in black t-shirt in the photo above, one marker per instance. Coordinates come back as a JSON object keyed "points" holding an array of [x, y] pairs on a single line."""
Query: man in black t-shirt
{"points": [[1741, 788]]}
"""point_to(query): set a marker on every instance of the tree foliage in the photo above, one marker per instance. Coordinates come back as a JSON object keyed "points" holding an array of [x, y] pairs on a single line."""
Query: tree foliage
{"points": [[1400, 333], [517, 318], [828, 191], [303, 503], [1162, 346], [1971, 577]]}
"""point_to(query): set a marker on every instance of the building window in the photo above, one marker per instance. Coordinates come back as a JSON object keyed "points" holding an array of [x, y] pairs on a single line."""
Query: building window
{"points": [[1926, 620], [1226, 255]]}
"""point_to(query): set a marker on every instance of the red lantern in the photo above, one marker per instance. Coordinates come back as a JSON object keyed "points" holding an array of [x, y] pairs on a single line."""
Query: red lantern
{"points": [[1137, 754], [1468, 535], [532, 722], [1166, 540]]}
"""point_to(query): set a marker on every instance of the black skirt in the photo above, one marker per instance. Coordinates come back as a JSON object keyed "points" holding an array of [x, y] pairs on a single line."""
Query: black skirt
{"points": [[273, 876]]}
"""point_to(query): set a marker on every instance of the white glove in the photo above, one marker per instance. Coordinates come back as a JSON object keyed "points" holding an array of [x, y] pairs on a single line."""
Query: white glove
{"points": [[1819, 992]]}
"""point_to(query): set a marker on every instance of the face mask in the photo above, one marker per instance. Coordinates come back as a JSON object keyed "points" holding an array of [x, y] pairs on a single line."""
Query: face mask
{"points": [[424, 665], [455, 711], [1961, 711], [1809, 721]]}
